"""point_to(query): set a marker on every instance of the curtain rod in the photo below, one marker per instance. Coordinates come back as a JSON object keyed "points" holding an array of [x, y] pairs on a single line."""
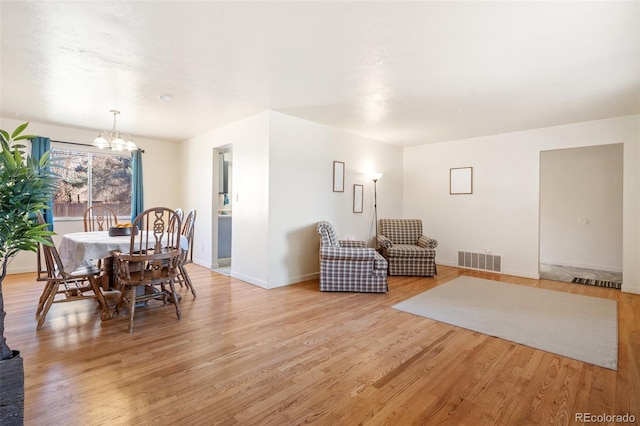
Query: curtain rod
{"points": [[83, 144]]}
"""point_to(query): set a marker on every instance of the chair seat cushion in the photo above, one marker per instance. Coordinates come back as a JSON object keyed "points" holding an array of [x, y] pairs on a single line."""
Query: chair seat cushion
{"points": [[409, 250], [85, 270]]}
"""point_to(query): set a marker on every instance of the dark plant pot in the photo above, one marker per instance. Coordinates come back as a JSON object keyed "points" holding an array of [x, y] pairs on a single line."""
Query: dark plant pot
{"points": [[12, 391]]}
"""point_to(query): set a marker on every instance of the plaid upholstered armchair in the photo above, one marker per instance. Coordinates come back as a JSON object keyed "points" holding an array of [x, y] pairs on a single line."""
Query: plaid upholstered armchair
{"points": [[349, 265], [407, 250]]}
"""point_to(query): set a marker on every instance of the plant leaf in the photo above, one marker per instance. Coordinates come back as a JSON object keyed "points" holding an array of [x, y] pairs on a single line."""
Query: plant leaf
{"points": [[25, 137], [19, 130], [9, 161], [44, 159], [17, 155]]}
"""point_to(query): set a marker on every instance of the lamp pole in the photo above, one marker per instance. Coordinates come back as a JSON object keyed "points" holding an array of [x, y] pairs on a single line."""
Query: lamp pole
{"points": [[375, 178], [375, 208]]}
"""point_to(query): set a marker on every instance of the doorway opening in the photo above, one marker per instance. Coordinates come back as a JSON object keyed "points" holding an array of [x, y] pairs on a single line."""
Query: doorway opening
{"points": [[222, 226], [581, 215]]}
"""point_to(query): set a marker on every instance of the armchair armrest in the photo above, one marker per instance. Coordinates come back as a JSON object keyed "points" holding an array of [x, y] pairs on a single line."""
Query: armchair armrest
{"points": [[347, 253], [352, 243], [426, 242], [384, 242]]}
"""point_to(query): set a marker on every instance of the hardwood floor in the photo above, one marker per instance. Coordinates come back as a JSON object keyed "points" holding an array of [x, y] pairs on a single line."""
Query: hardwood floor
{"points": [[292, 355]]}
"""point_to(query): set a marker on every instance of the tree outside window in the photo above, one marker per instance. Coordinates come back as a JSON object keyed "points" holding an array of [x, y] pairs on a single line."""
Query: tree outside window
{"points": [[89, 178]]}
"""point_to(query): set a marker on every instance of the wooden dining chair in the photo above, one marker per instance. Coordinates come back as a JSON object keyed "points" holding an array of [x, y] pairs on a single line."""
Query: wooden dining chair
{"points": [[148, 271], [99, 218], [187, 254], [61, 286]]}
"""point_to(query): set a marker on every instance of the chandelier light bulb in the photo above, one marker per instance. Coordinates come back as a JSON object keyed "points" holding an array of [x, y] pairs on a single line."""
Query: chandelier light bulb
{"points": [[101, 142], [117, 145], [113, 139]]}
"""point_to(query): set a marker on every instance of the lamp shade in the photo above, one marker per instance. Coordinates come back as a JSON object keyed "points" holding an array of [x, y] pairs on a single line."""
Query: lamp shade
{"points": [[114, 139], [101, 142], [376, 176]]}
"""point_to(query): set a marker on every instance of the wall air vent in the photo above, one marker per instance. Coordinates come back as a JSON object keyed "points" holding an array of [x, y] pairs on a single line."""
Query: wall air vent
{"points": [[481, 261]]}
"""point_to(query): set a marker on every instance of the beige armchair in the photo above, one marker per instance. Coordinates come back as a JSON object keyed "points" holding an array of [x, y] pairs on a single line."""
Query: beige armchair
{"points": [[407, 250], [349, 265]]}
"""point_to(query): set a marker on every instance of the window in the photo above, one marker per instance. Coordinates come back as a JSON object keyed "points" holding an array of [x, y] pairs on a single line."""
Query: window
{"points": [[90, 178]]}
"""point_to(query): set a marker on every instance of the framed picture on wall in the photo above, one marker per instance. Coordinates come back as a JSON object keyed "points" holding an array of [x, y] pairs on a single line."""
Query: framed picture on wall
{"points": [[358, 191], [461, 180], [338, 176]]}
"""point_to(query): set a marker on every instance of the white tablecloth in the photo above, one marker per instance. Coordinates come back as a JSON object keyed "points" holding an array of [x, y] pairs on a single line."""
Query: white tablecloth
{"points": [[83, 249]]}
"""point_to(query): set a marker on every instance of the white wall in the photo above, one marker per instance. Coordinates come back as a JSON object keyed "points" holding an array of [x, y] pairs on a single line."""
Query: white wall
{"points": [[502, 215], [301, 155], [197, 180], [250, 138], [162, 177], [282, 186], [250, 224], [581, 207]]}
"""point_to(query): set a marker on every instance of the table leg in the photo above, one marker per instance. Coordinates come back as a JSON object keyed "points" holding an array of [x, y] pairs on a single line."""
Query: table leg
{"points": [[107, 277]]}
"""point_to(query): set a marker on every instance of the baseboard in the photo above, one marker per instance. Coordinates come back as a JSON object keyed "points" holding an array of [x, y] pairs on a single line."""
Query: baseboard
{"points": [[274, 284], [515, 273], [203, 263], [249, 280], [295, 280], [532, 275], [21, 270], [628, 288]]}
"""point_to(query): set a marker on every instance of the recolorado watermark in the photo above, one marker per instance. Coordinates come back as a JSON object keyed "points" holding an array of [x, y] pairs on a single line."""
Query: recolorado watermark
{"points": [[605, 418]]}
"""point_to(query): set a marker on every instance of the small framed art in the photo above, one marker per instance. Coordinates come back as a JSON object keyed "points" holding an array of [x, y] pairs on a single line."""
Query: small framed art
{"points": [[358, 191], [338, 176], [461, 180]]}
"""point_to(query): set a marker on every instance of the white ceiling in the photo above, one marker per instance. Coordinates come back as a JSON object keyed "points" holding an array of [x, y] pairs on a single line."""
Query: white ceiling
{"points": [[400, 72]]}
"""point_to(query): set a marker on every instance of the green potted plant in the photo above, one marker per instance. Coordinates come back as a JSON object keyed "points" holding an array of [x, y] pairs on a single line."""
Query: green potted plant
{"points": [[26, 184]]}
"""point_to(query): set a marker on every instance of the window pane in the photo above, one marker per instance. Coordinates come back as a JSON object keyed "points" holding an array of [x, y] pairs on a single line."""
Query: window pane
{"points": [[70, 200], [111, 182], [109, 175]]}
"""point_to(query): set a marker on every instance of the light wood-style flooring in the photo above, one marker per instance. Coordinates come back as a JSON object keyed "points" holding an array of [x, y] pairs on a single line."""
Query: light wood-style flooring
{"points": [[242, 355]]}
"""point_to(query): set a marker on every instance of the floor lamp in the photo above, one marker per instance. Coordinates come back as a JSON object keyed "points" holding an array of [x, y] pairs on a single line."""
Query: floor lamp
{"points": [[375, 177]]}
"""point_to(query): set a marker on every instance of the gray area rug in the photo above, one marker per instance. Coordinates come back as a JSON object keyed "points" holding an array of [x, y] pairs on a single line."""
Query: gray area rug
{"points": [[575, 326]]}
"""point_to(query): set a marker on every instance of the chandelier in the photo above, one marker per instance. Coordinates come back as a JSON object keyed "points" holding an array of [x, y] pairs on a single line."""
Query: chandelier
{"points": [[114, 140]]}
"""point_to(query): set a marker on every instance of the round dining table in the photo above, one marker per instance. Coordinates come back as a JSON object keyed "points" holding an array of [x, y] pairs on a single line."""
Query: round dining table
{"points": [[81, 251]]}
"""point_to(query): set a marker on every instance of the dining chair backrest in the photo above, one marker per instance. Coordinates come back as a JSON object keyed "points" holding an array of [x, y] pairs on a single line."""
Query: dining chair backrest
{"points": [[155, 230], [188, 231], [52, 260], [61, 287], [153, 261], [180, 213], [99, 218]]}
